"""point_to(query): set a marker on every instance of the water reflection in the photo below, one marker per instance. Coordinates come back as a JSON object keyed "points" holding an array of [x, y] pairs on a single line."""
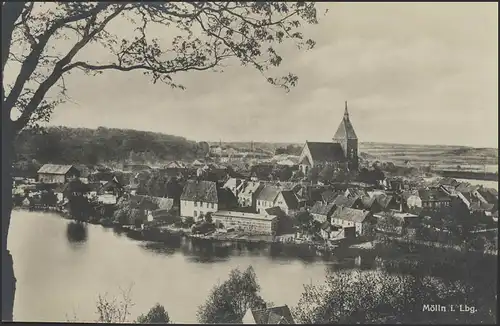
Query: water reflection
{"points": [[76, 233]]}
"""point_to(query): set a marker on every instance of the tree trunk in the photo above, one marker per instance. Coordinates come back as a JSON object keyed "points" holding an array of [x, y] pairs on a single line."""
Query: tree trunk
{"points": [[8, 278]]}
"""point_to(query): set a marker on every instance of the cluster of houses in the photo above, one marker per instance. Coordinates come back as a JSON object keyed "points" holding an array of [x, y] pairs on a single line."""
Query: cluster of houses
{"points": [[253, 203]]}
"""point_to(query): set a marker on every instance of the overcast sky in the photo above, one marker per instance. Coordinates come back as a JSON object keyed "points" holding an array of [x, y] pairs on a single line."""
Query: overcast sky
{"points": [[418, 73]]}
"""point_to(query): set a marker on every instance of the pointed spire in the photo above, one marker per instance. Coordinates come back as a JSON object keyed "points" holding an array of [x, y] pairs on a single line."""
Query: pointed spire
{"points": [[346, 113]]}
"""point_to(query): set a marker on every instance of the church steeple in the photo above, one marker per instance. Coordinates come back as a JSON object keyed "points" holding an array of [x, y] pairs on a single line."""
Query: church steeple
{"points": [[346, 113]]}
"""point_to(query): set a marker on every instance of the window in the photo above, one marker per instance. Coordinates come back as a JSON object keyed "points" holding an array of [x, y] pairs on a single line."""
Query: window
{"points": [[195, 204], [195, 213], [213, 206]]}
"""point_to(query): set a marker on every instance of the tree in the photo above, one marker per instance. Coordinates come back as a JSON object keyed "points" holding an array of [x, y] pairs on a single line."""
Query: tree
{"points": [[313, 174], [189, 221], [155, 315], [229, 301], [285, 173], [351, 297], [326, 174], [208, 217], [208, 34]]}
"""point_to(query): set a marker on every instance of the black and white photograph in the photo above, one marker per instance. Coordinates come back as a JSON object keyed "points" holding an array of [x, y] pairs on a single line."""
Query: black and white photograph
{"points": [[250, 162]]}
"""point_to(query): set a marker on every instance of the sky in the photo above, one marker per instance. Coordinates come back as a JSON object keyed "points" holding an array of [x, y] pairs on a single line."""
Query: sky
{"points": [[417, 73]]}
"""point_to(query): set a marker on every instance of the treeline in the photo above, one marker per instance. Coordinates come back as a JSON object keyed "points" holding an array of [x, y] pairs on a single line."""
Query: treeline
{"points": [[63, 145]]}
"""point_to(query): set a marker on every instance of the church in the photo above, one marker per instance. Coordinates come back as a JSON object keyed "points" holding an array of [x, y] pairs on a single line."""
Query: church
{"points": [[342, 152]]}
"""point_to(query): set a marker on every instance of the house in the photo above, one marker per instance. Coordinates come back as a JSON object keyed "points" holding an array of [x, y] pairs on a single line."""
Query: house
{"points": [[287, 201], [266, 197], [110, 191], [343, 201], [355, 192], [448, 182], [411, 200], [287, 162], [233, 184], [175, 165], [326, 230], [342, 152], [480, 208], [466, 197], [449, 190], [350, 217], [388, 202], [247, 195], [321, 211], [54, 173], [433, 199], [159, 215], [328, 196], [197, 163], [271, 315], [487, 195], [466, 187], [199, 197], [370, 203], [135, 167], [249, 222]]}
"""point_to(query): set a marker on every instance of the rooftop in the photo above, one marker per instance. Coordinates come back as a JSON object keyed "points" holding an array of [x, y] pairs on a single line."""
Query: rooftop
{"points": [[55, 169]]}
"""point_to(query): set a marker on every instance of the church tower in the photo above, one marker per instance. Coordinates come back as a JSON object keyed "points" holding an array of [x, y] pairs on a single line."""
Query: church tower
{"points": [[346, 137]]}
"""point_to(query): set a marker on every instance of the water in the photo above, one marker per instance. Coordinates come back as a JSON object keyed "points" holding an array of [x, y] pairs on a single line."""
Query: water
{"points": [[61, 271]]}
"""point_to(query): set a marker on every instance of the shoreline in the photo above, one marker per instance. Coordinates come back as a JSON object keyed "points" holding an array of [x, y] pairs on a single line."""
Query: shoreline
{"points": [[165, 233]]}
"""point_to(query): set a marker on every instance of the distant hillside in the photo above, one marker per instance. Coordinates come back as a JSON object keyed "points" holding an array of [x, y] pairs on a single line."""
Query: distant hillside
{"points": [[90, 146]]}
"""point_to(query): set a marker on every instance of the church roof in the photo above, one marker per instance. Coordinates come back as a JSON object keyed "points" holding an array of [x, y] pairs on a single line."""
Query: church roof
{"points": [[325, 152], [345, 129]]}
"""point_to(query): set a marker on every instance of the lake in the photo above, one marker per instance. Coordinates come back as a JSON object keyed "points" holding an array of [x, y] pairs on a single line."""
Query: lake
{"points": [[60, 276]]}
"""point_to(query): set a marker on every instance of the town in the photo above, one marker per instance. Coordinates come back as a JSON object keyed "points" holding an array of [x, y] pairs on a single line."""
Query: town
{"points": [[327, 196]]}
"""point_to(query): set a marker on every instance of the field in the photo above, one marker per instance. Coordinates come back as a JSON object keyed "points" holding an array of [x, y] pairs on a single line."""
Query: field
{"points": [[439, 156]]}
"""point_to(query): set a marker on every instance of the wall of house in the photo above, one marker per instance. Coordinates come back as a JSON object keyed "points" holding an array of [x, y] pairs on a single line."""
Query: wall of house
{"points": [[280, 202], [248, 318], [435, 205], [262, 205], [319, 218], [195, 209], [414, 201], [253, 225], [361, 227], [51, 178]]}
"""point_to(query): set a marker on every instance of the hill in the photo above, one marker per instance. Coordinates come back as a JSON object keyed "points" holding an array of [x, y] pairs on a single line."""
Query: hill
{"points": [[63, 145]]}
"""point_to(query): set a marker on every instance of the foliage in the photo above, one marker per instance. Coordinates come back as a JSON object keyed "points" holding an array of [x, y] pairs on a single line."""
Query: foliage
{"points": [[313, 174], [66, 145], [371, 176], [80, 207], [229, 301], [289, 150], [207, 35], [128, 214], [48, 198], [203, 227], [155, 315], [208, 217], [189, 221], [114, 310], [306, 223], [285, 173], [380, 297]]}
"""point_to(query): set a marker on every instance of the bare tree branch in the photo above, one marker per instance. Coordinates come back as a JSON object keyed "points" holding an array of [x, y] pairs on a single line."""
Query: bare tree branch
{"points": [[10, 13]]}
